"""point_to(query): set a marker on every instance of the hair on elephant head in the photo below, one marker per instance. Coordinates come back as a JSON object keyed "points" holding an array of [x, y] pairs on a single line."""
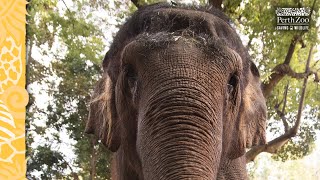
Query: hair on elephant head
{"points": [[179, 97]]}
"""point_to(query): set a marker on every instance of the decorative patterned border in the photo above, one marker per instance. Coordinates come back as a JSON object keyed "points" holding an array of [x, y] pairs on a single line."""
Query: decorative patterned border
{"points": [[13, 96]]}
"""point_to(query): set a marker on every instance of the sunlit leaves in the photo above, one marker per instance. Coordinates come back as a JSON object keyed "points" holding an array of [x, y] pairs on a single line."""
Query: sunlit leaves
{"points": [[74, 48], [268, 48]]}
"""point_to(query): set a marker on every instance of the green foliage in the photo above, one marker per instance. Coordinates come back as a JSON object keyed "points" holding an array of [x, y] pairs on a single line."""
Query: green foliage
{"points": [[73, 47], [268, 47], [50, 163]]}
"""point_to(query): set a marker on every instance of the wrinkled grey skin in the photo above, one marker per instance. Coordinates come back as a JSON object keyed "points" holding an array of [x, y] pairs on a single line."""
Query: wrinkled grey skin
{"points": [[179, 97]]}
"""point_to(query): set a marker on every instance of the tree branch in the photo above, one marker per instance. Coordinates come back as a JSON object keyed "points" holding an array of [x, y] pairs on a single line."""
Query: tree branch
{"points": [[282, 70], [136, 3], [29, 46], [285, 98], [66, 6], [93, 160], [74, 174], [249, 43], [286, 70], [216, 3], [294, 41], [275, 77], [316, 62], [281, 113], [304, 87], [274, 145]]}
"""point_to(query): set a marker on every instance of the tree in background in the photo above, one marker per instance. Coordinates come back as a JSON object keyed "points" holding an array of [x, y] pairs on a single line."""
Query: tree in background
{"points": [[66, 42], [71, 46]]}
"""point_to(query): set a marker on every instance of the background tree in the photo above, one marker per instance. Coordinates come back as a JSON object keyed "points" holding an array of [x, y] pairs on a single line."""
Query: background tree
{"points": [[282, 57], [66, 42], [71, 48]]}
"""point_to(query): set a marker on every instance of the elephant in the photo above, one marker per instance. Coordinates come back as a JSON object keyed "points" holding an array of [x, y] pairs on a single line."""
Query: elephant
{"points": [[179, 97]]}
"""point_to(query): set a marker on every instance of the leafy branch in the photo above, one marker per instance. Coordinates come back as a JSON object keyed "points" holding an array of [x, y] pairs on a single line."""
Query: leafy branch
{"points": [[74, 174], [66, 6], [274, 145], [136, 3], [284, 69], [281, 113]]}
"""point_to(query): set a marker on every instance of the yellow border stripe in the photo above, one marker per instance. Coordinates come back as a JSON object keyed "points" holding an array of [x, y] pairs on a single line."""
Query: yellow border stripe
{"points": [[13, 96]]}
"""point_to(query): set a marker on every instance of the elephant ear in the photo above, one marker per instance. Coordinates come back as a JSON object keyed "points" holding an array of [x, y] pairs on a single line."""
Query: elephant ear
{"points": [[101, 121], [251, 121], [255, 111]]}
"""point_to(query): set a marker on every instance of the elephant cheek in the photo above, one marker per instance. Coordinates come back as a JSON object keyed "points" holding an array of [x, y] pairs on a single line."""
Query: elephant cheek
{"points": [[256, 130], [259, 137]]}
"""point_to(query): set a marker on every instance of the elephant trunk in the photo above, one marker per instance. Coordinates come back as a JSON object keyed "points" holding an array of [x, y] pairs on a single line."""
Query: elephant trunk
{"points": [[180, 132]]}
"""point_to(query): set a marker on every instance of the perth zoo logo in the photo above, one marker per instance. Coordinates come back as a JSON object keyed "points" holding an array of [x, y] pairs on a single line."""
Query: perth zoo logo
{"points": [[293, 19]]}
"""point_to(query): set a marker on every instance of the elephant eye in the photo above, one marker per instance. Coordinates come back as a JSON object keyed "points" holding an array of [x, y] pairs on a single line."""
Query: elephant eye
{"points": [[129, 71], [232, 84], [130, 76]]}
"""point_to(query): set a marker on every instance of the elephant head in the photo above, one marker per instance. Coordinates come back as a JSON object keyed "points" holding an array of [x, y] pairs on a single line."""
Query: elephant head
{"points": [[179, 97]]}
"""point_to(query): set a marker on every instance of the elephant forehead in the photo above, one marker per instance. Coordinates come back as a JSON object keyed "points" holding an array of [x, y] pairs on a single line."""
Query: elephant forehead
{"points": [[178, 22], [173, 20], [185, 49]]}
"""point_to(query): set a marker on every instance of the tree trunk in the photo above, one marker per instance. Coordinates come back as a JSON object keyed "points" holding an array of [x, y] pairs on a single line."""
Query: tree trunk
{"points": [[93, 160], [216, 3]]}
